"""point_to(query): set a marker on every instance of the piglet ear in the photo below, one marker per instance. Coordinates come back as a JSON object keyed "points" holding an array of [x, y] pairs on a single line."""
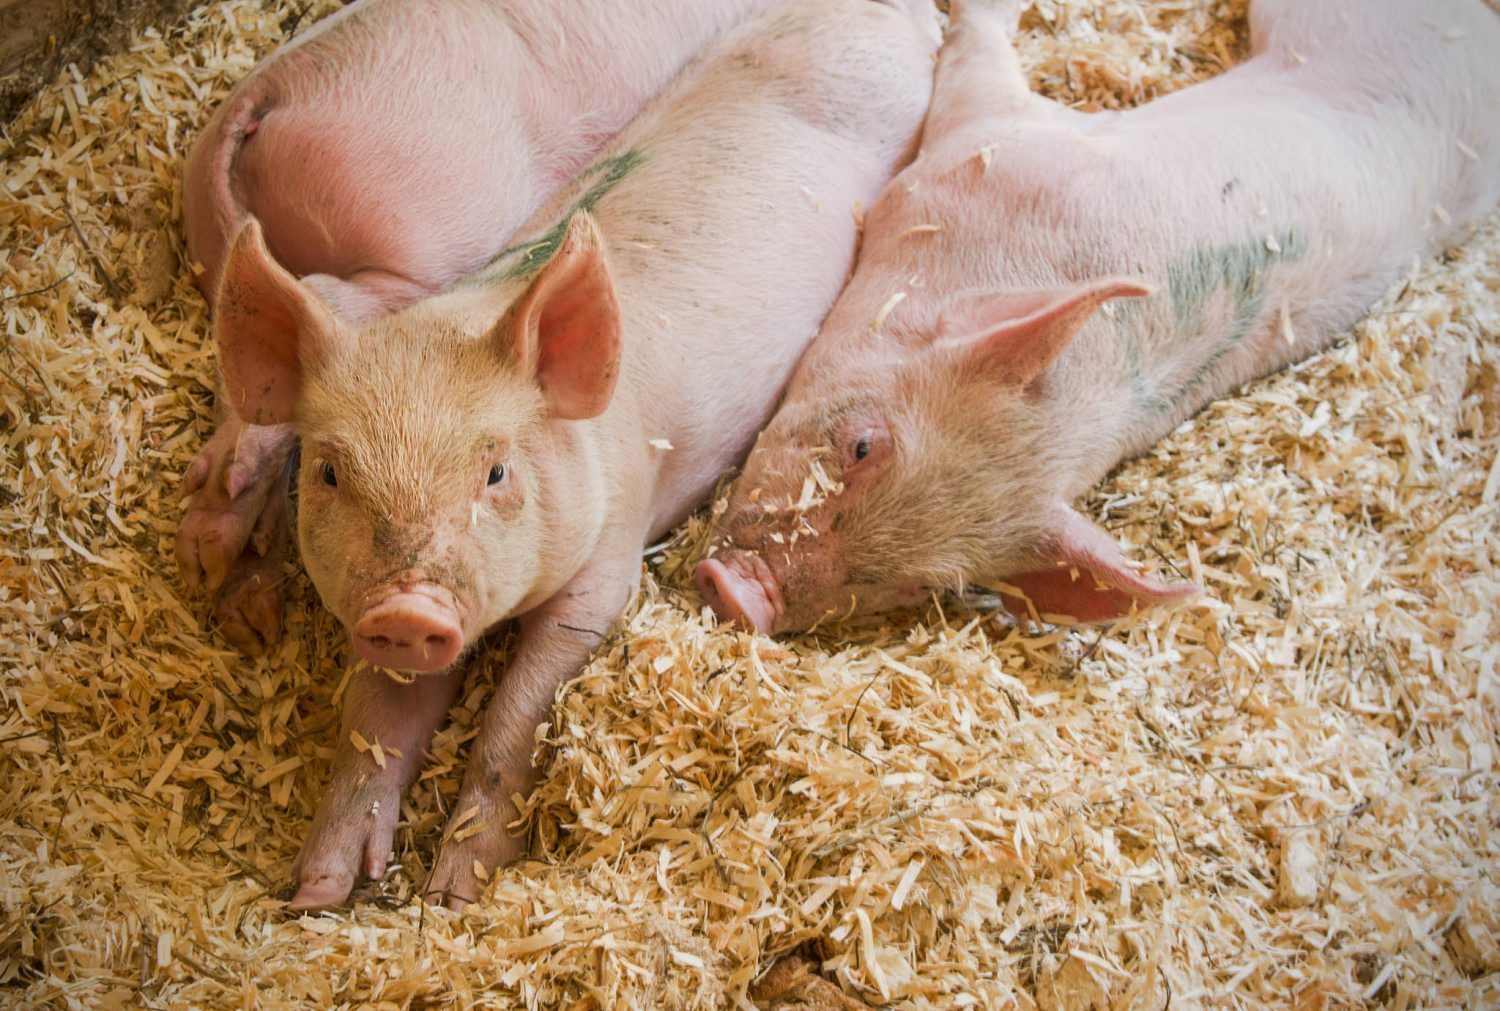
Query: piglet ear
{"points": [[1084, 576], [565, 330], [1021, 333], [268, 326]]}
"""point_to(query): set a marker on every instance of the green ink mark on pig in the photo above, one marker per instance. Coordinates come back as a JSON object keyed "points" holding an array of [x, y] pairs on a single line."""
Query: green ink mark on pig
{"points": [[1126, 319], [531, 255], [1237, 269]]}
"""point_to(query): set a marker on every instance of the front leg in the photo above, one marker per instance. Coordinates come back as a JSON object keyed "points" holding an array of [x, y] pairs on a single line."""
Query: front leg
{"points": [[356, 819], [231, 481], [556, 640], [248, 604], [236, 536]]}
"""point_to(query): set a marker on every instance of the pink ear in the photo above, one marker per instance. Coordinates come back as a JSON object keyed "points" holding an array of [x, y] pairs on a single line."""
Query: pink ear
{"points": [[566, 328], [1021, 333], [267, 325], [1085, 577]]}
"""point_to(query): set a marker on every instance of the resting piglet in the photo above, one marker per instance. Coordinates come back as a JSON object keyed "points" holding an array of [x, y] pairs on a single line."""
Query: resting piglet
{"points": [[388, 152], [1043, 293], [509, 447]]}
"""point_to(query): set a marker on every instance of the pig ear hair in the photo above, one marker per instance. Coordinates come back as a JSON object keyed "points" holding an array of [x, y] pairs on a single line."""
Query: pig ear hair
{"points": [[1084, 576], [267, 325], [1019, 334], [565, 330]]}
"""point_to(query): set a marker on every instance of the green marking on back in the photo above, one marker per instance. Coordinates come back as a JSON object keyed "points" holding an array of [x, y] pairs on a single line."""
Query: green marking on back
{"points": [[1126, 320], [1237, 268], [526, 258]]}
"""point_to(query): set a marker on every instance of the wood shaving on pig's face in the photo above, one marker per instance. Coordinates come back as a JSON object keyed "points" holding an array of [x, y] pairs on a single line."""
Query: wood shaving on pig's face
{"points": [[911, 515], [419, 464]]}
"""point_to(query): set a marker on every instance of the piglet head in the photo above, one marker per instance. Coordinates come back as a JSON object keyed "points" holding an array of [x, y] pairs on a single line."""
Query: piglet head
{"points": [[926, 463], [425, 437], [787, 551]]}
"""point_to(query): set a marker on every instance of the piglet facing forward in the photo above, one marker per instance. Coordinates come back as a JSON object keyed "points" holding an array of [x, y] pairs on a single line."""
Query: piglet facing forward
{"points": [[507, 448], [1000, 346], [388, 152]]}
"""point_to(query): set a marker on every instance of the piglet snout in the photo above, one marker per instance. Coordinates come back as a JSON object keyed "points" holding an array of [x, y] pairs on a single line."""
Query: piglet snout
{"points": [[410, 631], [742, 590]]}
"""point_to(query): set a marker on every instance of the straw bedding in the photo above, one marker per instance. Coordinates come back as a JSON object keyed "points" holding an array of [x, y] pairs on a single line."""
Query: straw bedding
{"points": [[1282, 794]]}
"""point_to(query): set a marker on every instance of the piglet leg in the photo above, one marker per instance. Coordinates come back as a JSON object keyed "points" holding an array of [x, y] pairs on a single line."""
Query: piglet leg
{"points": [[556, 640], [979, 75], [231, 481], [978, 59], [248, 605], [356, 820], [236, 535]]}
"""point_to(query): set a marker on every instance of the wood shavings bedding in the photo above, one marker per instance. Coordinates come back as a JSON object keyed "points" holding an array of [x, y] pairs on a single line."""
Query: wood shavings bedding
{"points": [[1282, 794]]}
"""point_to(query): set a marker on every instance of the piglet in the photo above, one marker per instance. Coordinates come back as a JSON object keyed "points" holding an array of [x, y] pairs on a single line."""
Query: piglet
{"points": [[1044, 293], [389, 151], [507, 448]]}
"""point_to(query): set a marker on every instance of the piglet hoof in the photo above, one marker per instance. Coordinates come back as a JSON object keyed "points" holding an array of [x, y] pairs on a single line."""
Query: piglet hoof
{"points": [[350, 837], [455, 879], [248, 606], [321, 893], [231, 481]]}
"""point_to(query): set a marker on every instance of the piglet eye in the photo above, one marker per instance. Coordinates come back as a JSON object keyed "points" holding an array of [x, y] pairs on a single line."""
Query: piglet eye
{"points": [[862, 447], [497, 473], [329, 477]]}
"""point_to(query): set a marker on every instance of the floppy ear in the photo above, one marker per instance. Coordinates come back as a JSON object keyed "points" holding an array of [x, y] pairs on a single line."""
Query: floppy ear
{"points": [[565, 330], [267, 325], [1021, 333], [1083, 575]]}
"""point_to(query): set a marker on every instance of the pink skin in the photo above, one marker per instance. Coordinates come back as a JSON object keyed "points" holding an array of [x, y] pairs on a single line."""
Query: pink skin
{"points": [[739, 587], [387, 152], [494, 452], [234, 539], [1044, 293], [416, 629]]}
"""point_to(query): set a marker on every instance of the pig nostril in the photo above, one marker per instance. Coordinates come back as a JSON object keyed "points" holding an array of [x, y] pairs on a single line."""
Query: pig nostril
{"points": [[734, 596], [707, 578], [410, 631]]}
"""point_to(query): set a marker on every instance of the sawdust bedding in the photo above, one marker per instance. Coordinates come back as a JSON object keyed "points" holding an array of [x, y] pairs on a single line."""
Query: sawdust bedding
{"points": [[1282, 794]]}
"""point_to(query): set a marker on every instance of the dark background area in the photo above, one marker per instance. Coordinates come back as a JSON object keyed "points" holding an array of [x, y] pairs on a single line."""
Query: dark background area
{"points": [[38, 38]]}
